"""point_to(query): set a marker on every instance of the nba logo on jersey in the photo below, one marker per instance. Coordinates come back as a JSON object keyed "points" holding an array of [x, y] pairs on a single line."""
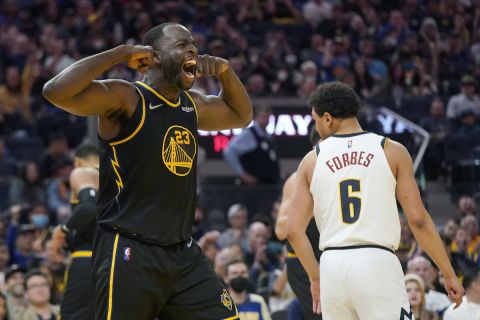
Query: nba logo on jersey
{"points": [[127, 254], [349, 143]]}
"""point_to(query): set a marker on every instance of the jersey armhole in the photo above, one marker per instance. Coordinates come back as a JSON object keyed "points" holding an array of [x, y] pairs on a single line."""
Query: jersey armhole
{"points": [[384, 142], [317, 149]]}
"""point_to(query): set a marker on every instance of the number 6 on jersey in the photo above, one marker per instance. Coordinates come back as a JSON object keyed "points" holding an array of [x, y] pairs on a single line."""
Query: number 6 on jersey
{"points": [[350, 205]]}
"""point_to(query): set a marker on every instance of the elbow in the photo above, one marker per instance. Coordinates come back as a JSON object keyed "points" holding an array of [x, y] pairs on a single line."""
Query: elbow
{"points": [[292, 234], [281, 233], [247, 117], [48, 91], [418, 223]]}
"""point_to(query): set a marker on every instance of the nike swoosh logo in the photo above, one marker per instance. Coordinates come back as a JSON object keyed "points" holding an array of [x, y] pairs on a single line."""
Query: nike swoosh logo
{"points": [[155, 106]]}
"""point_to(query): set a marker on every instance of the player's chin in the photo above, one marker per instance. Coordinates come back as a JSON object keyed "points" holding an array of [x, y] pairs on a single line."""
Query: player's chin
{"points": [[186, 80]]}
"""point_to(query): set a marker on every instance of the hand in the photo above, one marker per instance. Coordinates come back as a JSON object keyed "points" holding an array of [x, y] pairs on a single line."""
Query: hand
{"points": [[315, 291], [15, 213], [211, 66], [261, 254], [248, 179], [58, 242], [140, 58], [454, 289]]}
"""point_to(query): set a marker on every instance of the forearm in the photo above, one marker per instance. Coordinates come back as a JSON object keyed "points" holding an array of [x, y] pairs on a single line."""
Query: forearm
{"points": [[79, 75], [304, 252], [235, 96], [427, 236]]}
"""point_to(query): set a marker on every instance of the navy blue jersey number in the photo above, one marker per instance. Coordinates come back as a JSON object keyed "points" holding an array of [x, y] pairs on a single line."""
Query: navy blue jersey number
{"points": [[350, 204]]}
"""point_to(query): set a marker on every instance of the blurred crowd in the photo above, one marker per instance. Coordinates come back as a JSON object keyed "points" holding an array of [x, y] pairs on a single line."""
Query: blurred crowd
{"points": [[397, 48]]}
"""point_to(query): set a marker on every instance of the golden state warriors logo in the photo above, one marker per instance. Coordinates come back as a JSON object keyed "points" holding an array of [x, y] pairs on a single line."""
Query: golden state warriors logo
{"points": [[179, 150], [226, 300]]}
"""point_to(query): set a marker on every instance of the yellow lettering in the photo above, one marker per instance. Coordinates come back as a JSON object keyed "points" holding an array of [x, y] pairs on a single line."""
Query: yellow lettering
{"points": [[182, 137]]}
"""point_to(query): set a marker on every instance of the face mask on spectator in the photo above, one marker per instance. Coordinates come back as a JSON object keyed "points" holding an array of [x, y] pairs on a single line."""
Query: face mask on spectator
{"points": [[40, 220], [239, 284]]}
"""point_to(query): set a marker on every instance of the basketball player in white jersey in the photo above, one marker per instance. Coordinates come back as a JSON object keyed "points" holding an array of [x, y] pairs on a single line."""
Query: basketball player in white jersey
{"points": [[351, 182]]}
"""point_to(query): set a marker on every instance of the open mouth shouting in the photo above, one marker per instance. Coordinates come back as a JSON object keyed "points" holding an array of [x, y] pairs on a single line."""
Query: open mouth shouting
{"points": [[189, 68]]}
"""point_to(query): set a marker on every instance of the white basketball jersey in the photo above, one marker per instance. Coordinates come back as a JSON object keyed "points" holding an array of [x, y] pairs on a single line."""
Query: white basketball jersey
{"points": [[353, 190]]}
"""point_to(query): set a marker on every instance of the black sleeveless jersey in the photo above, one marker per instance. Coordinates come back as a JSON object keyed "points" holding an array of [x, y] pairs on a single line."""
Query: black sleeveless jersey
{"points": [[314, 238], [148, 172], [81, 238]]}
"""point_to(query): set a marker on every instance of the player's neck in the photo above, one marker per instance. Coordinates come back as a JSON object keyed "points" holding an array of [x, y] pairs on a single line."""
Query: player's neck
{"points": [[157, 82], [348, 126]]}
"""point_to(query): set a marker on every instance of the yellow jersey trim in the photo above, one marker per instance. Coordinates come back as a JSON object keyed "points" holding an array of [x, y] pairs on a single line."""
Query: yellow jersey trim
{"points": [[235, 316], [146, 86], [291, 255], [140, 125], [81, 254], [74, 201], [116, 165], [193, 102], [112, 270]]}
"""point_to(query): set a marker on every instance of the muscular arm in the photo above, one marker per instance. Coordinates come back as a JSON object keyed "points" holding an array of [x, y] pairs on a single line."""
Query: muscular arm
{"points": [[299, 215], [232, 108], [75, 89], [420, 222], [287, 192]]}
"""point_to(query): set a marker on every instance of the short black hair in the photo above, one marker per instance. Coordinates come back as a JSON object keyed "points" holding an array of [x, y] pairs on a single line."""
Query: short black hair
{"points": [[33, 273], [336, 98], [155, 33], [86, 150]]}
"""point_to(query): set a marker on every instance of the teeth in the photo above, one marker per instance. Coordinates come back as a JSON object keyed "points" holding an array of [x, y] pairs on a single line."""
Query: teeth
{"points": [[191, 62]]}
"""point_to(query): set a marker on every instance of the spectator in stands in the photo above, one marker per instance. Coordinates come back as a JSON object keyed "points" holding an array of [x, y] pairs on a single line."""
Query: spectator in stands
{"points": [[28, 188], [249, 305], [470, 224], [208, 244], [316, 11], [466, 206], [465, 100], [57, 151], [58, 192], [449, 229], [259, 256], [416, 296], [408, 247], [16, 114], [237, 232], [224, 257], [20, 242], [468, 125], [37, 292], [16, 302], [434, 300], [439, 127], [376, 67], [253, 154], [470, 307]]}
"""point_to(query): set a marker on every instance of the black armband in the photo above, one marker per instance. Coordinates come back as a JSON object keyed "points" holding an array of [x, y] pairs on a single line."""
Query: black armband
{"points": [[85, 211]]}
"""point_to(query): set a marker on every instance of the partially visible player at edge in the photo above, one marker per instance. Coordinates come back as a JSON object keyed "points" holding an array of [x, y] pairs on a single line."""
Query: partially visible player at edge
{"points": [[145, 264], [296, 275], [78, 300], [350, 183]]}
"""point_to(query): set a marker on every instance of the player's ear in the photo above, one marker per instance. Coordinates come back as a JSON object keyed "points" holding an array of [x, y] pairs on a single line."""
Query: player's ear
{"points": [[157, 57], [328, 118]]}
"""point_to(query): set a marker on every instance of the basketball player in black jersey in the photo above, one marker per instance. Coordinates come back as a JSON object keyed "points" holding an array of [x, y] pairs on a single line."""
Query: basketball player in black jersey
{"points": [[78, 299], [145, 264], [296, 274]]}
